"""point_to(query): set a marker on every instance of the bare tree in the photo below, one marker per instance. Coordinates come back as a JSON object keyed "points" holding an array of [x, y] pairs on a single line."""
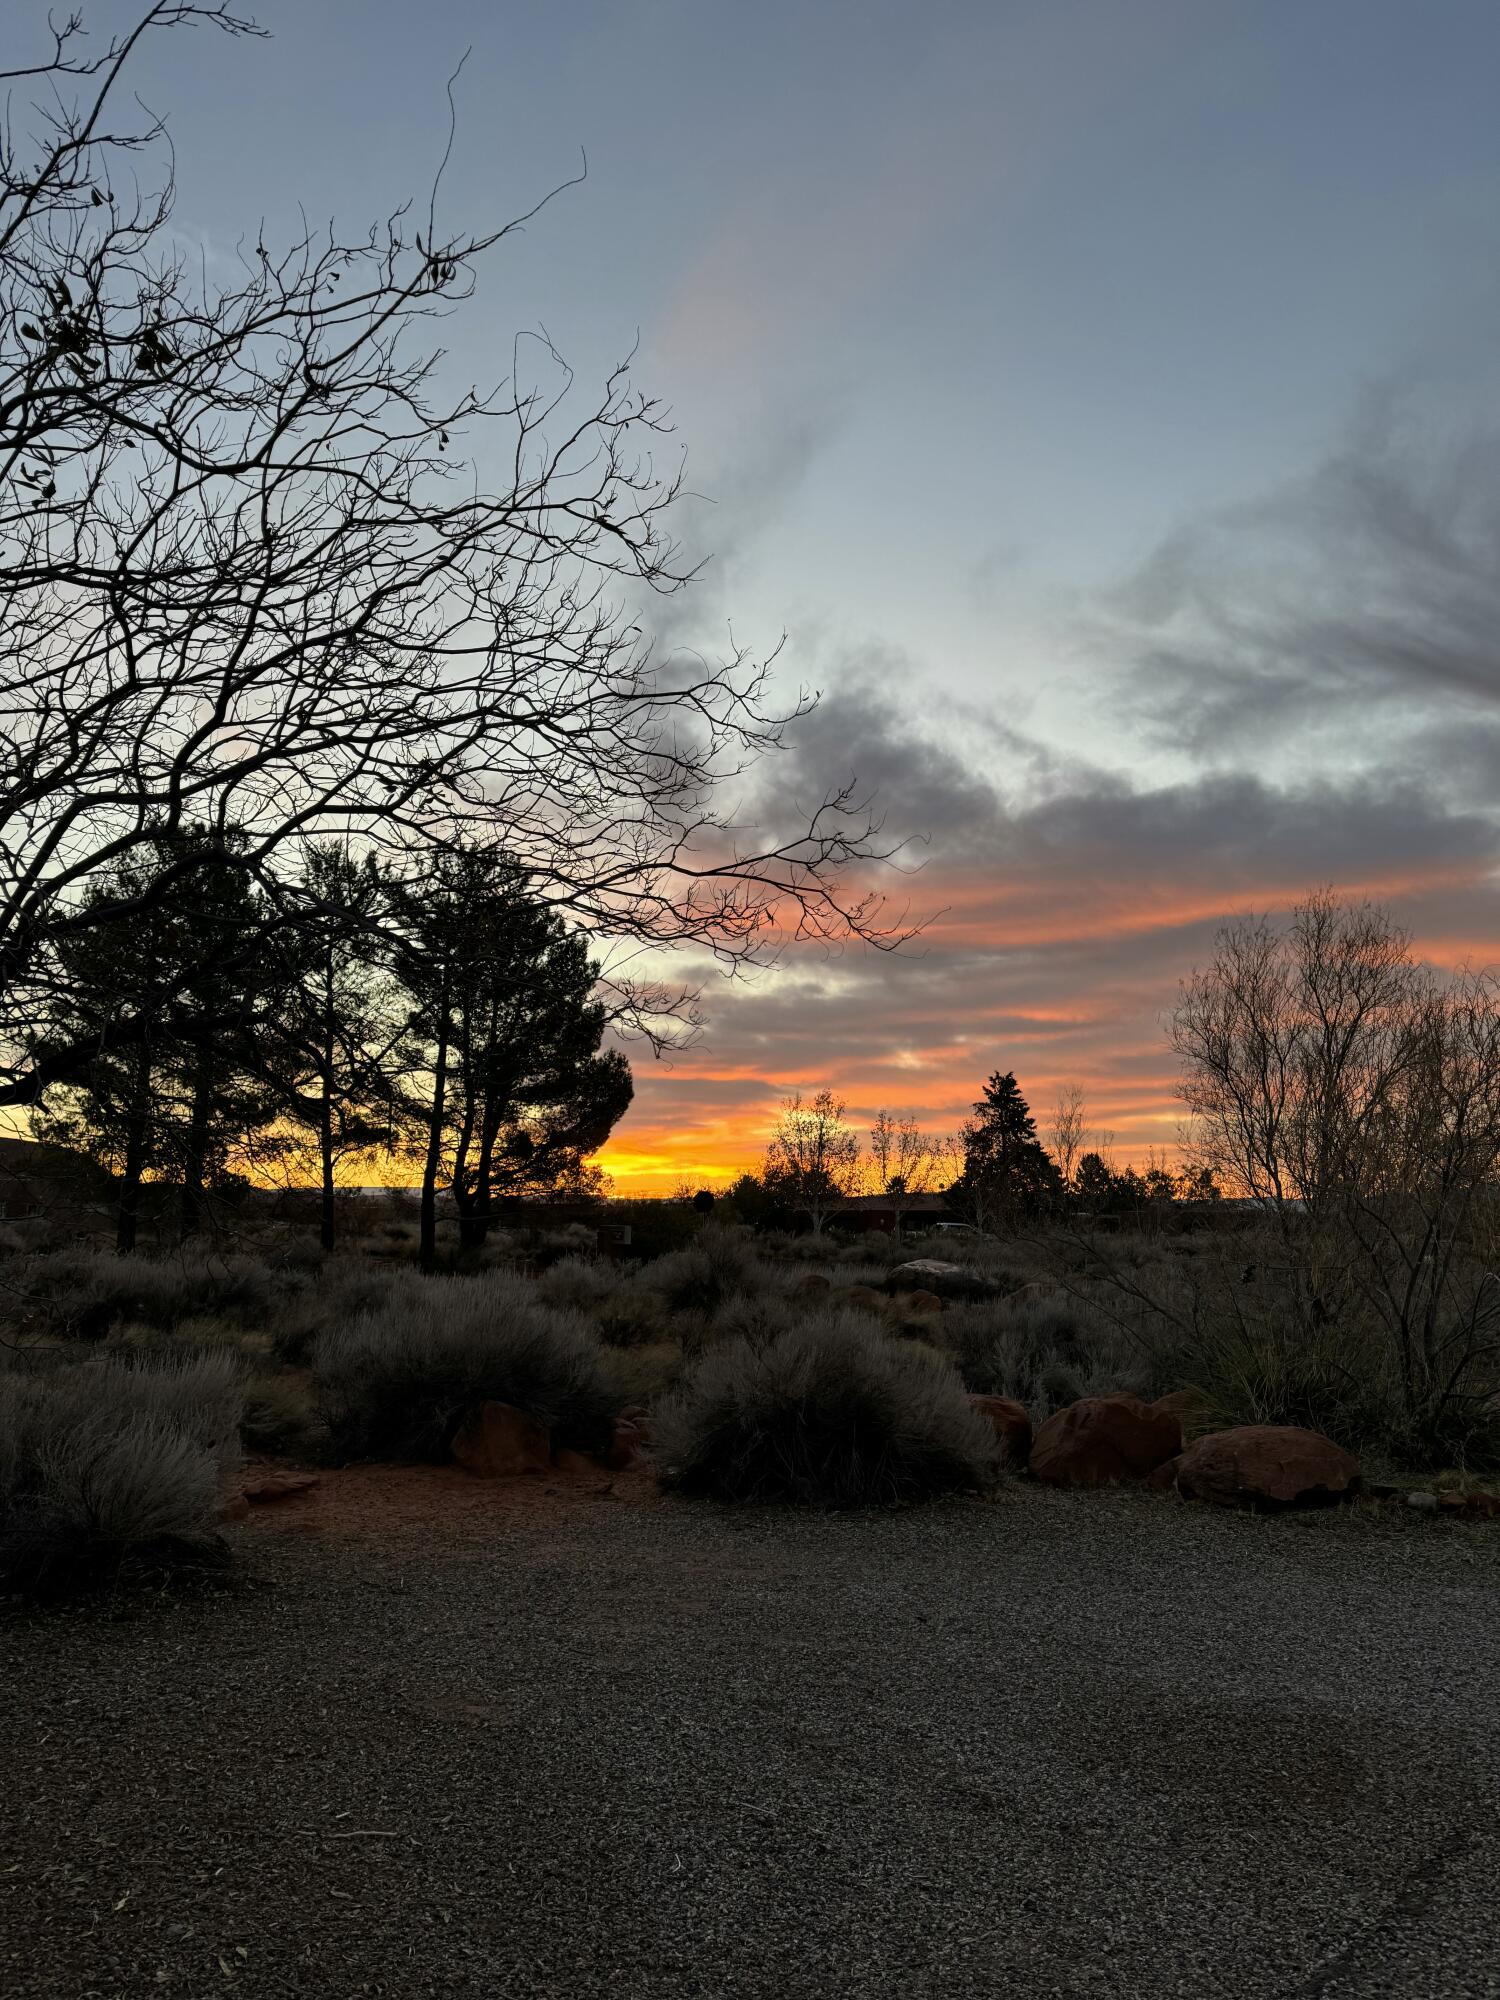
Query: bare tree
{"points": [[812, 1161], [905, 1161], [1067, 1129], [256, 578], [1355, 1098]]}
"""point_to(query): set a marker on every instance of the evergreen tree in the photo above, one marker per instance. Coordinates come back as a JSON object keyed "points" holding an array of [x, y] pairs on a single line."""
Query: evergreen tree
{"points": [[519, 1091], [1007, 1171], [185, 1092], [340, 1047]]}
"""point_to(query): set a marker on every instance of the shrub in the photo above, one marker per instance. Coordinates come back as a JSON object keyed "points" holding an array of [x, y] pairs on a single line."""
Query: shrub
{"points": [[828, 1414], [349, 1287], [577, 1284], [642, 1374], [398, 1382], [1042, 1349], [719, 1266], [632, 1316], [83, 1293], [105, 1461], [279, 1417]]}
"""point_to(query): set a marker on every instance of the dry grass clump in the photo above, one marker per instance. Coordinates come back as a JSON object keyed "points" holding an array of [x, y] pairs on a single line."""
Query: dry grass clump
{"points": [[397, 1381], [105, 1461], [826, 1414]]}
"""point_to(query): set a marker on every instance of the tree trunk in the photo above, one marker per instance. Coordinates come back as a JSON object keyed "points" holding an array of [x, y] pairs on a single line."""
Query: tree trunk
{"points": [[194, 1165], [327, 1231], [427, 1246], [326, 1221]]}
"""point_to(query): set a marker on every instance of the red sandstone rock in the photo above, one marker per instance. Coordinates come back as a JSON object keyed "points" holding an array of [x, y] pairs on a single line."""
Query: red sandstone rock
{"points": [[1011, 1424], [1103, 1439], [501, 1442], [574, 1461], [1164, 1478], [1476, 1506], [625, 1447], [864, 1298], [262, 1486], [924, 1303], [1269, 1464]]}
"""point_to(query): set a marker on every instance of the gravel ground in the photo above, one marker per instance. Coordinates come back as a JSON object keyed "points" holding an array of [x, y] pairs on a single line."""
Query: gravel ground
{"points": [[1058, 1744]]}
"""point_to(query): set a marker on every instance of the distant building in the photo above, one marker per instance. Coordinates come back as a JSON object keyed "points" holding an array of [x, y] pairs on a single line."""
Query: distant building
{"points": [[865, 1213]]}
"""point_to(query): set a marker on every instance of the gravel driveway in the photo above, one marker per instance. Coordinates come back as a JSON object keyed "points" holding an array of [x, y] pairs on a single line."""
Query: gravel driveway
{"points": [[1058, 1744]]}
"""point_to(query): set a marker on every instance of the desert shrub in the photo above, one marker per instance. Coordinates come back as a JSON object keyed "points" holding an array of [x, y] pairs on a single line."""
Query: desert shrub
{"points": [[718, 1266], [279, 1417], [1043, 1349], [398, 1381], [642, 1374], [828, 1414], [759, 1320], [577, 1284], [633, 1316], [107, 1461], [83, 1293], [348, 1287]]}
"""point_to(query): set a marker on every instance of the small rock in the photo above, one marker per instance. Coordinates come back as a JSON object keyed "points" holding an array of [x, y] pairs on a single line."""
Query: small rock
{"points": [[811, 1285], [630, 1438], [502, 1442], [1422, 1503], [1012, 1426], [262, 1486]]}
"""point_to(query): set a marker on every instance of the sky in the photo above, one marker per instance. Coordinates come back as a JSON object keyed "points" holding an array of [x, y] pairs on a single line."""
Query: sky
{"points": [[1099, 399]]}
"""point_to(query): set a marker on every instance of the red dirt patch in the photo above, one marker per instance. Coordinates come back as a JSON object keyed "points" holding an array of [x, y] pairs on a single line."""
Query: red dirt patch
{"points": [[390, 1504]]}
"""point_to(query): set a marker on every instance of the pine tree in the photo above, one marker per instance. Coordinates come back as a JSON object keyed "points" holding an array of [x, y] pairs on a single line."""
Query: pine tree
{"points": [[1007, 1172], [519, 1091], [341, 1048]]}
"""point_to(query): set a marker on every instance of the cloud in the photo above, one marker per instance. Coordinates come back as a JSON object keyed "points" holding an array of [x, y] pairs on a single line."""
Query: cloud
{"points": [[1072, 905], [1362, 597]]}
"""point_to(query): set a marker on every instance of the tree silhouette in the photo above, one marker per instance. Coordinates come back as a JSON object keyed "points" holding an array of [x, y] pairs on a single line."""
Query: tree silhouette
{"points": [[1007, 1172], [255, 579], [519, 1090]]}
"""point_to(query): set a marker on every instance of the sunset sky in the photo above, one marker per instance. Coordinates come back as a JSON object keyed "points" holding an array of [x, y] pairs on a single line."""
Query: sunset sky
{"points": [[1099, 397]]}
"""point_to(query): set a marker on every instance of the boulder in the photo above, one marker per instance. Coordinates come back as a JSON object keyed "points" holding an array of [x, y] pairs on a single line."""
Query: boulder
{"points": [[501, 1442], [941, 1280], [1011, 1424], [1275, 1465], [1103, 1439]]}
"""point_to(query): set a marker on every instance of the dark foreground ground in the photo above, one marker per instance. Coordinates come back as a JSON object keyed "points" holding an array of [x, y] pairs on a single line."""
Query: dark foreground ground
{"points": [[1054, 1745]]}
